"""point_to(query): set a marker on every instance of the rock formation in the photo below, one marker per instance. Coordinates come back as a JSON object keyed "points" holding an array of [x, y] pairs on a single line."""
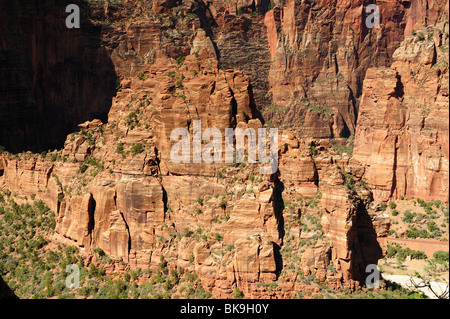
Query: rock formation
{"points": [[136, 204], [249, 64], [321, 51], [401, 136], [47, 81]]}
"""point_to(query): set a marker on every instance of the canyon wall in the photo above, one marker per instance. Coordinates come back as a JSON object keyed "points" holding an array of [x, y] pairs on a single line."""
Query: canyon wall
{"points": [[402, 132], [52, 78], [114, 186], [320, 53], [310, 68]]}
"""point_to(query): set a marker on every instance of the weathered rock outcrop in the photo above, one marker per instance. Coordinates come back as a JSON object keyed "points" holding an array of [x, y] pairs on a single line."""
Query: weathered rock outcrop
{"points": [[402, 137], [320, 54], [114, 184], [354, 234]]}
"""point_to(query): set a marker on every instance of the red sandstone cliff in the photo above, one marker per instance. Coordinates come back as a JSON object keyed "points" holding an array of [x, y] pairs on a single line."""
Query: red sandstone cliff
{"points": [[402, 132], [321, 51], [114, 186], [134, 203]]}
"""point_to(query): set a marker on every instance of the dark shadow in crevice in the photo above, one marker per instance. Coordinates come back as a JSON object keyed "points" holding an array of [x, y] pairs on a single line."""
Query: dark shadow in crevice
{"points": [[92, 204], [399, 89], [5, 291], [207, 22], [129, 234], [278, 259], [365, 247], [278, 208]]}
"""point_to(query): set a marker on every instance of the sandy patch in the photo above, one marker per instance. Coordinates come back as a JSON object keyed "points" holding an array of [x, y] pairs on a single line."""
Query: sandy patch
{"points": [[405, 281]]}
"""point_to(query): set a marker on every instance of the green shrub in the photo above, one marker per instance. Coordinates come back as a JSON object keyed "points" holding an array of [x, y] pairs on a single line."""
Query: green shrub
{"points": [[436, 233], [420, 36], [132, 120], [323, 111], [408, 216], [230, 247], [271, 5], [423, 233], [441, 256], [83, 167], [313, 150], [412, 232], [349, 182], [186, 232], [141, 76], [391, 251], [223, 203], [119, 148], [237, 294], [137, 148], [31, 270], [416, 254], [364, 184], [432, 226], [420, 217], [392, 205], [118, 85], [98, 251], [402, 253], [179, 83], [180, 60]]}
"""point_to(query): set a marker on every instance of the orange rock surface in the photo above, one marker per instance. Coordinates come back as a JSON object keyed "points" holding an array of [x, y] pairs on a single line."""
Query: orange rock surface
{"points": [[314, 71]]}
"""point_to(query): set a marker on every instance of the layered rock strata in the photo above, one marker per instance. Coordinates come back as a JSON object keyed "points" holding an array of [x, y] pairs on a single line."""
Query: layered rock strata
{"points": [[114, 185], [321, 51], [402, 137]]}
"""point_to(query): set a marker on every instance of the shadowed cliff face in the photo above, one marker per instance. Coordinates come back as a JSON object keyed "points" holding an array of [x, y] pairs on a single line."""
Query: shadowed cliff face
{"points": [[51, 78], [5, 291]]}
